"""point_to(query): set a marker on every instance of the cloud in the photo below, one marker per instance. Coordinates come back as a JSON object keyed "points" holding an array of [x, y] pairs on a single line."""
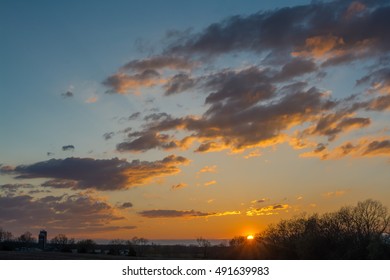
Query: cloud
{"points": [[333, 124], [12, 189], [327, 29], [68, 148], [379, 81], [100, 174], [255, 153], [259, 200], [134, 116], [237, 121], [183, 213], [80, 211], [147, 141], [123, 83], [364, 147], [268, 210], [179, 186], [159, 62], [262, 104], [208, 169], [377, 148], [108, 135], [126, 205], [334, 194], [209, 183], [173, 213], [179, 83], [67, 94]]}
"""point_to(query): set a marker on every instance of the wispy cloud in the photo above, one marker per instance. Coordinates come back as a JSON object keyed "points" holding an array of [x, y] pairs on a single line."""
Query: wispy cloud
{"points": [[179, 186], [183, 213], [208, 169], [209, 183], [268, 210]]}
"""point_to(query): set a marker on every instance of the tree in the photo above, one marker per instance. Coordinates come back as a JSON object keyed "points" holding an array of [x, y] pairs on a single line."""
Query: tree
{"points": [[5, 236], [62, 243], [116, 246], [27, 239], [237, 241], [204, 244], [139, 244], [86, 246]]}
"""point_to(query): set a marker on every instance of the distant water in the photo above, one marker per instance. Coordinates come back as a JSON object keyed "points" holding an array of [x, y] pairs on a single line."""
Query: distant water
{"points": [[185, 242]]}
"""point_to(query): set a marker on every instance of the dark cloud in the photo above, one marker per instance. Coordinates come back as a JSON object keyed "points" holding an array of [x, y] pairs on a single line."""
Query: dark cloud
{"points": [[378, 148], [179, 83], [49, 154], [259, 105], [146, 141], [12, 189], [134, 116], [108, 135], [331, 125], [179, 186], [173, 213], [68, 148], [156, 116], [67, 94], [304, 29], [296, 67], [75, 212], [379, 81], [242, 123], [126, 205], [100, 174]]}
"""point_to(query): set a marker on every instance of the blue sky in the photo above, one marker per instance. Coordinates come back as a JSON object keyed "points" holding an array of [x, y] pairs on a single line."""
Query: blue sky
{"points": [[209, 118]]}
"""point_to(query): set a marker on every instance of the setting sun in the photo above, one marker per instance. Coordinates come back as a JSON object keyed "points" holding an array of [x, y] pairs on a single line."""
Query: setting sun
{"points": [[249, 237]]}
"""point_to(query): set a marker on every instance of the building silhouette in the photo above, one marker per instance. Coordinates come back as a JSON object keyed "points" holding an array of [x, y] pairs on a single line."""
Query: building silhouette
{"points": [[42, 239]]}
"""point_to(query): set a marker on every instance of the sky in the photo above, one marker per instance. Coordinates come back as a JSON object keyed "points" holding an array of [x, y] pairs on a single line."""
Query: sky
{"points": [[180, 119]]}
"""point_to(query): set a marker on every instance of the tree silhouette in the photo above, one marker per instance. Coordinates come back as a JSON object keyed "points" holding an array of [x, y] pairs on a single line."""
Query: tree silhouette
{"points": [[86, 246], [27, 239], [62, 243], [204, 244], [350, 233]]}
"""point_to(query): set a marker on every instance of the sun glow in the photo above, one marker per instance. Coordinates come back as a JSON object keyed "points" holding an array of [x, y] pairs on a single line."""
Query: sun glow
{"points": [[249, 237]]}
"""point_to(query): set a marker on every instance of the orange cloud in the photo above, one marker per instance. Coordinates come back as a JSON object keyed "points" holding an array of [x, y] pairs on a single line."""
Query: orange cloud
{"points": [[320, 46], [208, 169], [334, 194], [268, 210], [209, 183], [123, 83], [162, 213], [255, 153]]}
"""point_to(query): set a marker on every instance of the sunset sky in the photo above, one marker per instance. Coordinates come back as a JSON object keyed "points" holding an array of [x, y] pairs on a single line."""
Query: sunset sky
{"points": [[179, 119]]}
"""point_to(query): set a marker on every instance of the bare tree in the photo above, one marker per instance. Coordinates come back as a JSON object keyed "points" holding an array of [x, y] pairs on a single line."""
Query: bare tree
{"points": [[204, 244], [27, 239], [139, 244], [62, 242]]}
